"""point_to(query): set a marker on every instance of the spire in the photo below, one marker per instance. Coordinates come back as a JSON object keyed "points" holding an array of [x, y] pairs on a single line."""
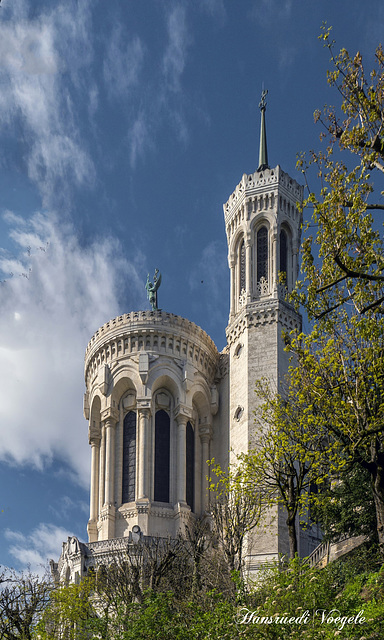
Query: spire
{"points": [[263, 153]]}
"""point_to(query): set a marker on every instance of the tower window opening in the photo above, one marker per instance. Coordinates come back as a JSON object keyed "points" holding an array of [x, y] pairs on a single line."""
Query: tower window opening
{"points": [[190, 466], [262, 254], [162, 456], [129, 457], [283, 255]]}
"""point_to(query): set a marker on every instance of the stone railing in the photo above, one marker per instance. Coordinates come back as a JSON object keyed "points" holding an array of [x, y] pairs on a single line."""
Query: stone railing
{"points": [[154, 332]]}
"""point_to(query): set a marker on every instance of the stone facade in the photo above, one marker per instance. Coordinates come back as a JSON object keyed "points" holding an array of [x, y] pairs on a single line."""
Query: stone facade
{"points": [[161, 400]]}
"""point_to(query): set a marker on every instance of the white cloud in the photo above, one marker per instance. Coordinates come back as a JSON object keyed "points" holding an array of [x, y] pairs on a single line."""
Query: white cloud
{"points": [[139, 138], [286, 58], [267, 11], [64, 506], [215, 8], [174, 59], [34, 55], [47, 319], [37, 548], [122, 63]]}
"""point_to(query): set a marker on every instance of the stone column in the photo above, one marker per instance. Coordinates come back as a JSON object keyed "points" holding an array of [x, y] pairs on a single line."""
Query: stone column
{"points": [[110, 417], [109, 461], [94, 441], [102, 470], [274, 263], [181, 458], [248, 268], [205, 432], [142, 480], [295, 264], [232, 310]]}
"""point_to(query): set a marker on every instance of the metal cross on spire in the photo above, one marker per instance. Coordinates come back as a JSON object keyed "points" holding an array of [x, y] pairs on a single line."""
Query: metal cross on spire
{"points": [[263, 153]]}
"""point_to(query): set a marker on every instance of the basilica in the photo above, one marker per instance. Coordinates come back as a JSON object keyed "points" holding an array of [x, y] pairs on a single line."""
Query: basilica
{"points": [[161, 400]]}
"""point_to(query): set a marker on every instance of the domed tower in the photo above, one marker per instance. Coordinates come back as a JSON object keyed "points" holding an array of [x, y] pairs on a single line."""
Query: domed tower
{"points": [[263, 227], [150, 400]]}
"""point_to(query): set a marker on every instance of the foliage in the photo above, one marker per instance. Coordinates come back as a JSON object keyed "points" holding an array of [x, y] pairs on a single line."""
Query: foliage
{"points": [[339, 377], [235, 511], [285, 591], [23, 598], [71, 613], [348, 245], [346, 507], [300, 588], [289, 456]]}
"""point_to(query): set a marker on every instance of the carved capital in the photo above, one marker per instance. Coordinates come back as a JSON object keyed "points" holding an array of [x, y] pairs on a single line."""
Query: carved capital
{"points": [[183, 413], [205, 432], [144, 413], [94, 435], [144, 403], [110, 414]]}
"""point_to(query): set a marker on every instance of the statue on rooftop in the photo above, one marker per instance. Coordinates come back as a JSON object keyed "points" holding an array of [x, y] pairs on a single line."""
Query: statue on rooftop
{"points": [[152, 289], [263, 101]]}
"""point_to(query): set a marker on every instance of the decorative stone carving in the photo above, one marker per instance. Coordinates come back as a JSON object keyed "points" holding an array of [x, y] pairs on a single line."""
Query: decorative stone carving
{"points": [[103, 379], [143, 366], [243, 298], [163, 401], [129, 401], [214, 400], [262, 287], [86, 405]]}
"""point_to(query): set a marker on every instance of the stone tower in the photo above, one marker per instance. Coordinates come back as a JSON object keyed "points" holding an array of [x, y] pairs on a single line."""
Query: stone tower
{"points": [[263, 227], [161, 400]]}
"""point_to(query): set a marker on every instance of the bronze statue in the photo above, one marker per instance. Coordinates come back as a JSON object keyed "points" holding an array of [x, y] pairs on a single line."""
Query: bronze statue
{"points": [[263, 101], [152, 289]]}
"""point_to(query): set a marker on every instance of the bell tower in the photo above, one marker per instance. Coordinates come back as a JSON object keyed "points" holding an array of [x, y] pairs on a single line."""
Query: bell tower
{"points": [[263, 227]]}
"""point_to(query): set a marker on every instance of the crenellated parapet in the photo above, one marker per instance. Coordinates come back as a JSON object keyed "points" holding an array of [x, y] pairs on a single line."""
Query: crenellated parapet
{"points": [[269, 190]]}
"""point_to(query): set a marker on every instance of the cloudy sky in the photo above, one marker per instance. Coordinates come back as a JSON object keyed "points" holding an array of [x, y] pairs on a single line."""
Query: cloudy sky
{"points": [[124, 126]]}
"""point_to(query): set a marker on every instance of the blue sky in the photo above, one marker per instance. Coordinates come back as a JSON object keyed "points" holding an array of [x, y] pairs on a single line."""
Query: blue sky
{"points": [[124, 127]]}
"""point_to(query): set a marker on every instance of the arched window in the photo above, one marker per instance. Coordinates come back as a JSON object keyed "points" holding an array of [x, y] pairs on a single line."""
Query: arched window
{"points": [[190, 466], [162, 456], [262, 254], [242, 266], [284, 254], [129, 457]]}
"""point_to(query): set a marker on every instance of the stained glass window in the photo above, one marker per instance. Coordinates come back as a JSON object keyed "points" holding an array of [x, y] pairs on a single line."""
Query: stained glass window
{"points": [[262, 254], [190, 466], [162, 456], [129, 457]]}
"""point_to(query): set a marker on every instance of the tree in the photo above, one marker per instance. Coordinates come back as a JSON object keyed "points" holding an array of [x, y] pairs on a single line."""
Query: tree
{"points": [[346, 507], [339, 378], [349, 248], [235, 511], [23, 598], [340, 364], [291, 454], [71, 613]]}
